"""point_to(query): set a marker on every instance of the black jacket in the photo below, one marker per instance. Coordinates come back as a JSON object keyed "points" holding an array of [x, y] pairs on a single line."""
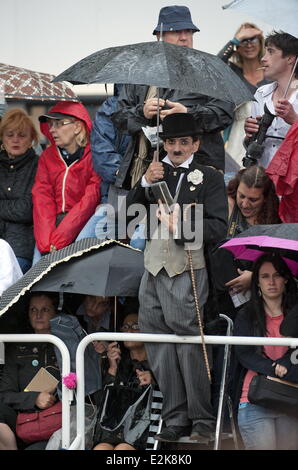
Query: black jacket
{"points": [[22, 362], [211, 114], [16, 181], [251, 357], [210, 192]]}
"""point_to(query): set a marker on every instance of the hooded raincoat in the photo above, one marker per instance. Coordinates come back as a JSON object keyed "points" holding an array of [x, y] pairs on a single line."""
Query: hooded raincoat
{"points": [[283, 170], [73, 190]]}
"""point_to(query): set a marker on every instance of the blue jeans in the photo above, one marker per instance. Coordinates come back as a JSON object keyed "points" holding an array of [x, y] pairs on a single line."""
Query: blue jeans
{"points": [[36, 256], [101, 226], [25, 264], [265, 429], [138, 240], [98, 226]]}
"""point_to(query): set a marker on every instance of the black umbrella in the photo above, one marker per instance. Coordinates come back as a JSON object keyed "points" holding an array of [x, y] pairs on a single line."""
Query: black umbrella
{"points": [[163, 65], [286, 231], [108, 268]]}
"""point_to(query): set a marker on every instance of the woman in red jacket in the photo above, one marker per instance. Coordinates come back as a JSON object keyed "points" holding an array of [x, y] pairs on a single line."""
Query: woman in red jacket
{"points": [[66, 189]]}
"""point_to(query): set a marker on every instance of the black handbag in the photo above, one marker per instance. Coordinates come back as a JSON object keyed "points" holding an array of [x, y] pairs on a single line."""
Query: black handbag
{"points": [[274, 393], [125, 415]]}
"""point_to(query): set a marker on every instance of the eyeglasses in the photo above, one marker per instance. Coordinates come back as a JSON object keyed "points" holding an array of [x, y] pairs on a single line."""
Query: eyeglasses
{"points": [[130, 326], [245, 42], [57, 123]]}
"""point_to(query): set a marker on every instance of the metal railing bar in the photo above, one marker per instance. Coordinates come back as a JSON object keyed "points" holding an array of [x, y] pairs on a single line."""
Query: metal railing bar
{"points": [[67, 395]]}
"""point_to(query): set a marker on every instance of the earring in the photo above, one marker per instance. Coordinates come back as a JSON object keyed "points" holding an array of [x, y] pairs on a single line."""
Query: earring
{"points": [[259, 292], [2, 147]]}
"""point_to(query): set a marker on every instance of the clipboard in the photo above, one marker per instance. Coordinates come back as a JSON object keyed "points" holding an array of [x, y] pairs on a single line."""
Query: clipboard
{"points": [[42, 381]]}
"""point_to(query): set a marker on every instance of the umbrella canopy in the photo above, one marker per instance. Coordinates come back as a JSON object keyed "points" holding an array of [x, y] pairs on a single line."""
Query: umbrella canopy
{"points": [[22, 84], [163, 65], [109, 268], [260, 239], [280, 15]]}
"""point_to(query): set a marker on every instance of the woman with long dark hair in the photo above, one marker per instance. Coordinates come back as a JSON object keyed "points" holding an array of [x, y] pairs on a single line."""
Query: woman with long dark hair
{"points": [[252, 201], [273, 293]]}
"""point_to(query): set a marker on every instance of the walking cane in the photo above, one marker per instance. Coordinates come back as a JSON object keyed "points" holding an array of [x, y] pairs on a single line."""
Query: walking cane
{"points": [[193, 281]]}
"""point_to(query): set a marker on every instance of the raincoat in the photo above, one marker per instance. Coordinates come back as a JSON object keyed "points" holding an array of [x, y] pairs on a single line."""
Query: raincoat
{"points": [[283, 170], [73, 191], [213, 116]]}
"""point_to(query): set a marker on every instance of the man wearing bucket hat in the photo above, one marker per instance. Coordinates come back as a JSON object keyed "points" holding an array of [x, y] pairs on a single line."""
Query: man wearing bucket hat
{"points": [[166, 295], [138, 107]]}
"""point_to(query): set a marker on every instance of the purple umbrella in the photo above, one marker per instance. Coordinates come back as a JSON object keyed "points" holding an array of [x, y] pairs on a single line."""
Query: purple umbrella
{"points": [[251, 248]]}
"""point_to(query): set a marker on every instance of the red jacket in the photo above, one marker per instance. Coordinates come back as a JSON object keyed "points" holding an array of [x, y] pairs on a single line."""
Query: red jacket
{"points": [[59, 188], [283, 170]]}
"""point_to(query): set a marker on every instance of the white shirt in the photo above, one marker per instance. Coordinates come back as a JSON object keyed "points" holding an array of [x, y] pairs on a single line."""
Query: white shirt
{"points": [[10, 270], [166, 159], [279, 127]]}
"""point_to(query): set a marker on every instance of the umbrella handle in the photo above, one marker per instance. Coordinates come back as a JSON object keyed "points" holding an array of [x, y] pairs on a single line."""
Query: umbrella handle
{"points": [[156, 153], [155, 156], [290, 80]]}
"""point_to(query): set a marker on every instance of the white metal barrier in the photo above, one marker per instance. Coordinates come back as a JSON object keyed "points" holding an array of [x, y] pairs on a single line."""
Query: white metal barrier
{"points": [[79, 441], [67, 395]]}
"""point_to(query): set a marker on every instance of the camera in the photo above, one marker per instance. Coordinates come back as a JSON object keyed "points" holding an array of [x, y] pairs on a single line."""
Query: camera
{"points": [[255, 147]]}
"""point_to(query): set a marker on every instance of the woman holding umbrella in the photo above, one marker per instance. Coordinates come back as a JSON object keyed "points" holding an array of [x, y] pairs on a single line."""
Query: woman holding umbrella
{"points": [[273, 293], [252, 200], [66, 189]]}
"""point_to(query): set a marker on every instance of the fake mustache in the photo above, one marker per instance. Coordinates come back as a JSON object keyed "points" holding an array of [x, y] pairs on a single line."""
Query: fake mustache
{"points": [[177, 154]]}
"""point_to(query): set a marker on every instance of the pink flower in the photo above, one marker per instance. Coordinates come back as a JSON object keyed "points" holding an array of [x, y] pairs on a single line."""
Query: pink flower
{"points": [[70, 380]]}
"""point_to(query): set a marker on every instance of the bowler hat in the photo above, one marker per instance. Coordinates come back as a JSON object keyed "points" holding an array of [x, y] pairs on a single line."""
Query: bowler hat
{"points": [[179, 125], [174, 18]]}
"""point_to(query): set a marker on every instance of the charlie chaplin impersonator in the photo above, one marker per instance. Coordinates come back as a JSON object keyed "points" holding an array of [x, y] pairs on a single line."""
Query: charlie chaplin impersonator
{"points": [[167, 303]]}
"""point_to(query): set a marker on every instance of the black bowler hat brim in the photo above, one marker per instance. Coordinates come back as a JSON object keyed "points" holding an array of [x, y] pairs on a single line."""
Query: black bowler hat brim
{"points": [[172, 135]]}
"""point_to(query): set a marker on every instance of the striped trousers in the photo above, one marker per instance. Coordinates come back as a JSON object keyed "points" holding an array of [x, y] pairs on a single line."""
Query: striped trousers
{"points": [[167, 307]]}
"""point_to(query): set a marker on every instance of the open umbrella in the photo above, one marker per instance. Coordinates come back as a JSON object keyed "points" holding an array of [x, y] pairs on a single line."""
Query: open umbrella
{"points": [[280, 15], [108, 268], [163, 65], [22, 84], [260, 239]]}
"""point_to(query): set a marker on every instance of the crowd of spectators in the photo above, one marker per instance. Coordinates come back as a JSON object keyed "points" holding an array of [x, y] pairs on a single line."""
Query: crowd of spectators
{"points": [[49, 201]]}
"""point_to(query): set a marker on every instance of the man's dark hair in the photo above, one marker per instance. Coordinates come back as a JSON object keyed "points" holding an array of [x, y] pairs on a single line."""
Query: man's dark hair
{"points": [[287, 43]]}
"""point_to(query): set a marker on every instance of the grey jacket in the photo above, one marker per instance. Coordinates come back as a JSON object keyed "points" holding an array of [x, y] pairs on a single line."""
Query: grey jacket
{"points": [[211, 114]]}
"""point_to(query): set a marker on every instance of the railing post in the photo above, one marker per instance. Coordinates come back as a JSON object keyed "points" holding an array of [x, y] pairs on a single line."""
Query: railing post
{"points": [[67, 395], [79, 441]]}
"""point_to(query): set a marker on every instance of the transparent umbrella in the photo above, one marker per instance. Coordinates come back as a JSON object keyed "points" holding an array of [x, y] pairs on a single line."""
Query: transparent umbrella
{"points": [[281, 15]]}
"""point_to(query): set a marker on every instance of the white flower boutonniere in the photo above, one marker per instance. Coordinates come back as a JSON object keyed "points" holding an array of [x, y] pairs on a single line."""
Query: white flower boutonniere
{"points": [[195, 177]]}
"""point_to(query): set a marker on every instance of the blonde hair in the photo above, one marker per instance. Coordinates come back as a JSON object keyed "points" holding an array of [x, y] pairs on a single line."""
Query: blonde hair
{"points": [[82, 138], [18, 119], [236, 58]]}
